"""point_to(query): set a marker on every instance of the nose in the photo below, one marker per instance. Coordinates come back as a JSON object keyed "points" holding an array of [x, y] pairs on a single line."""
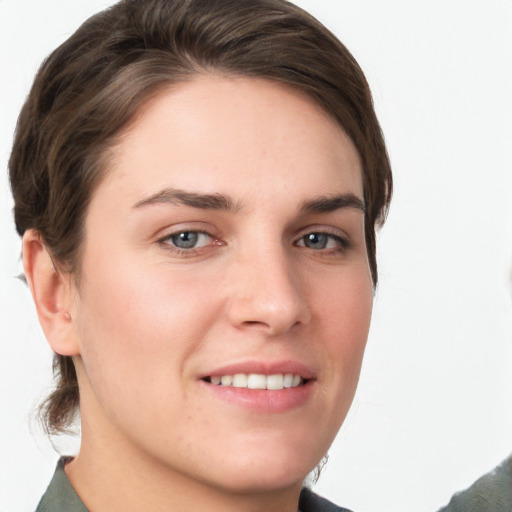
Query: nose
{"points": [[267, 294]]}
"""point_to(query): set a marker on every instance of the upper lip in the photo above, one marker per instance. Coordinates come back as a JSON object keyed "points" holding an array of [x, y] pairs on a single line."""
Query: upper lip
{"points": [[263, 367]]}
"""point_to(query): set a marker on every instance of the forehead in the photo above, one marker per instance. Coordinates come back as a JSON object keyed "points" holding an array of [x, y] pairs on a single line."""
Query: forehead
{"points": [[215, 131]]}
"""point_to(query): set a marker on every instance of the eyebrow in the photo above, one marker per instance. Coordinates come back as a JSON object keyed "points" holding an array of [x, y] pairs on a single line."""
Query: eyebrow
{"points": [[326, 204], [203, 201], [320, 204]]}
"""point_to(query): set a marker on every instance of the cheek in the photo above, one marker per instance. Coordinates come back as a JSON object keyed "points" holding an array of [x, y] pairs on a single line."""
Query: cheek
{"points": [[345, 304], [137, 325], [346, 308]]}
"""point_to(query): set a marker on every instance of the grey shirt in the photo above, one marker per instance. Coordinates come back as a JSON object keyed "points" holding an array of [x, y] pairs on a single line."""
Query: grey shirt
{"points": [[490, 493], [61, 497]]}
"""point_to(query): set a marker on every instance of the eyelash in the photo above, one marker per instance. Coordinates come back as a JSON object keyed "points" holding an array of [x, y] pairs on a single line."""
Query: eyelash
{"points": [[342, 244]]}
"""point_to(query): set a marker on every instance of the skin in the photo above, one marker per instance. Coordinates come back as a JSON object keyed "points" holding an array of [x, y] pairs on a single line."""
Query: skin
{"points": [[149, 322]]}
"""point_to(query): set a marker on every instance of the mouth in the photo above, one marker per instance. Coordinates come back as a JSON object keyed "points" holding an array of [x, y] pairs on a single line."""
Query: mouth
{"points": [[262, 386], [260, 381]]}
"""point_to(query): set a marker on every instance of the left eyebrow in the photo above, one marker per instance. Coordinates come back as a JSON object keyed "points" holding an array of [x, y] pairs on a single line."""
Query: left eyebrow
{"points": [[326, 204], [202, 201]]}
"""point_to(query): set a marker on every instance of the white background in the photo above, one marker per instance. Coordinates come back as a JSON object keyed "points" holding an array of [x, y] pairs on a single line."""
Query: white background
{"points": [[434, 407]]}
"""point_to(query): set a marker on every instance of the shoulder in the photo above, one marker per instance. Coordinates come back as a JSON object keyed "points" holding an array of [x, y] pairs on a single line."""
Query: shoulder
{"points": [[310, 502], [60, 495], [492, 491]]}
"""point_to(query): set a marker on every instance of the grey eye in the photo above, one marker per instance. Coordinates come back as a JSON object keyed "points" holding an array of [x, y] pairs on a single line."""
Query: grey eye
{"points": [[319, 241], [186, 240], [316, 240]]}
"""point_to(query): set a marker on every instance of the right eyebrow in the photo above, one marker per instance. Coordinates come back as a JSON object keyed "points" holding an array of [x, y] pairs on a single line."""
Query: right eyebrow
{"points": [[325, 204], [194, 199]]}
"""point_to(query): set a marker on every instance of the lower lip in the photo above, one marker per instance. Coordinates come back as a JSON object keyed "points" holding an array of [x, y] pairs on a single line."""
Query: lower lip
{"points": [[263, 400]]}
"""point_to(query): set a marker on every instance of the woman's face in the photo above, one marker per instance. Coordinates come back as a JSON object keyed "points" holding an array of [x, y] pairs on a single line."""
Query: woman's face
{"points": [[226, 243]]}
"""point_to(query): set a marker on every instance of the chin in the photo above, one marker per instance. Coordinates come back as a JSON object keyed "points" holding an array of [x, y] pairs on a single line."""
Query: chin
{"points": [[266, 480], [270, 470]]}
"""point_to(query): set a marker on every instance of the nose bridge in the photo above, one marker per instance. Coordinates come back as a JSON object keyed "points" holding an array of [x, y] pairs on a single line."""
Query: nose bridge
{"points": [[267, 294]]}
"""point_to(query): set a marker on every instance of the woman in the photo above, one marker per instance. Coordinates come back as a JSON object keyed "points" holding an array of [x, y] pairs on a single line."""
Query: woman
{"points": [[198, 185]]}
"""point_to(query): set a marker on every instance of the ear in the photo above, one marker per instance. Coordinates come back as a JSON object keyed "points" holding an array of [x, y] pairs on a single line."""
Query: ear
{"points": [[53, 295]]}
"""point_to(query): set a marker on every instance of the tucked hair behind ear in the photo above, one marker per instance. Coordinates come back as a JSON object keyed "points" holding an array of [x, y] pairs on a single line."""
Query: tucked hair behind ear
{"points": [[91, 87]]}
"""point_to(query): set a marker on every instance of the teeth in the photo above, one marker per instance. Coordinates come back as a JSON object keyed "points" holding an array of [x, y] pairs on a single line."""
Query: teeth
{"points": [[226, 380], [258, 381], [275, 381], [288, 380], [240, 380]]}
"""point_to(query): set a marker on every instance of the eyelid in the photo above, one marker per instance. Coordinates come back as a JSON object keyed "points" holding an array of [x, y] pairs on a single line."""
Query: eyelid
{"points": [[323, 229]]}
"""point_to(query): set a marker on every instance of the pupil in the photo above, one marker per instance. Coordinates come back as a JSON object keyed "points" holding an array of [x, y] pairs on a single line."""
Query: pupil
{"points": [[185, 240], [316, 241]]}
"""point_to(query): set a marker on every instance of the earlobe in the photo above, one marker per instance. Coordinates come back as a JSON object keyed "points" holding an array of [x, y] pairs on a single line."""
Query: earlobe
{"points": [[52, 294]]}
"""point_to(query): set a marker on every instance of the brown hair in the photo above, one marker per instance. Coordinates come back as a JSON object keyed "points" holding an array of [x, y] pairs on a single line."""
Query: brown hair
{"points": [[92, 85]]}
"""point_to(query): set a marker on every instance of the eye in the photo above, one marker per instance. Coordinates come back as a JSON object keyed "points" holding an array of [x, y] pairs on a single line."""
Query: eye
{"points": [[188, 240], [321, 241]]}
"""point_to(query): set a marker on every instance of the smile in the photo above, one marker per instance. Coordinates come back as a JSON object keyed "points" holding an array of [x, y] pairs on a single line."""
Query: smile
{"points": [[262, 387], [274, 382]]}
